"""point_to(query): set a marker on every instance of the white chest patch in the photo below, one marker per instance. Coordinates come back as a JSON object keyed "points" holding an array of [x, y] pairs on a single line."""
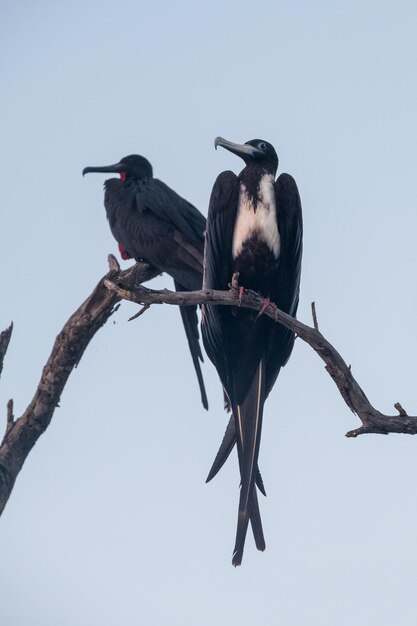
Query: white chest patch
{"points": [[261, 223]]}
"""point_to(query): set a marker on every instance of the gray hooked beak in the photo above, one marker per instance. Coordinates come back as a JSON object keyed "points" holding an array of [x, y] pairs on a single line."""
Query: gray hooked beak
{"points": [[239, 149], [106, 169]]}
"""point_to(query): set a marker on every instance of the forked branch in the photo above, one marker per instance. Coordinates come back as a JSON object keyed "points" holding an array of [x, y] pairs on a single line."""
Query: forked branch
{"points": [[22, 433], [373, 421]]}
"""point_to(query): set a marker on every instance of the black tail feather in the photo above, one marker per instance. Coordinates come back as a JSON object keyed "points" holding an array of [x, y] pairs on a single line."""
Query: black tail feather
{"points": [[225, 449], [190, 321], [256, 523], [248, 420], [226, 446]]}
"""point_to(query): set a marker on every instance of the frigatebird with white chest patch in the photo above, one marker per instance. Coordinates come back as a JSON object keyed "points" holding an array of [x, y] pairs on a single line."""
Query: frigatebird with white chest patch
{"points": [[254, 227]]}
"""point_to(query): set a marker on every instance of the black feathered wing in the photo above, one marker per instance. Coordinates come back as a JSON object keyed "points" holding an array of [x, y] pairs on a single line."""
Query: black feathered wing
{"points": [[155, 224], [287, 288], [179, 227], [190, 322], [170, 207], [218, 266]]}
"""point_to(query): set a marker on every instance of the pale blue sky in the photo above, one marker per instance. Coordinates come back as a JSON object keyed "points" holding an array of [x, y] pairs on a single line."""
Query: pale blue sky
{"points": [[110, 521]]}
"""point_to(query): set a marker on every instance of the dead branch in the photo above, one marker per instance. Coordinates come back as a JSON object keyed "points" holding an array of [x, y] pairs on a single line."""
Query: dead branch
{"points": [[373, 421], [22, 433], [4, 343]]}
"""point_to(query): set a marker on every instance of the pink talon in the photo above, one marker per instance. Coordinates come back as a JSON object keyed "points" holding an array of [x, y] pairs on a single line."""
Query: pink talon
{"points": [[241, 290], [265, 305]]}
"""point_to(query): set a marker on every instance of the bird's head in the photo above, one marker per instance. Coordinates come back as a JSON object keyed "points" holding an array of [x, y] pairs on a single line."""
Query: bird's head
{"points": [[130, 167], [253, 152]]}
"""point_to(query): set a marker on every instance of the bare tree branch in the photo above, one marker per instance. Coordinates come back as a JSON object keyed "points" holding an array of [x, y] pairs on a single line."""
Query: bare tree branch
{"points": [[4, 343], [22, 433], [373, 421]]}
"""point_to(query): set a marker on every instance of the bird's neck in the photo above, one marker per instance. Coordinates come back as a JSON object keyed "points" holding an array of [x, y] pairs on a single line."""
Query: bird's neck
{"points": [[251, 177]]}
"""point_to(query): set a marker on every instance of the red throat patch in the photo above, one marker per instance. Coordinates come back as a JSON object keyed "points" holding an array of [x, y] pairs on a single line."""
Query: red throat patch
{"points": [[123, 178], [124, 253]]}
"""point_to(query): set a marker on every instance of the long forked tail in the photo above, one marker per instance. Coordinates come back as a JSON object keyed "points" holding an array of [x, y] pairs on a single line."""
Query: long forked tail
{"points": [[190, 321], [226, 446], [225, 449], [248, 419], [256, 523]]}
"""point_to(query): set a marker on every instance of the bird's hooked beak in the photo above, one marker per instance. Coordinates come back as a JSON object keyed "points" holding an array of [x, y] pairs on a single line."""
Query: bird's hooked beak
{"points": [[117, 168], [243, 150]]}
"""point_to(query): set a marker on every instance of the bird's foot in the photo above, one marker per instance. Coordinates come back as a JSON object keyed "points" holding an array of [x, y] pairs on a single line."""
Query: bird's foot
{"points": [[264, 307], [241, 291]]}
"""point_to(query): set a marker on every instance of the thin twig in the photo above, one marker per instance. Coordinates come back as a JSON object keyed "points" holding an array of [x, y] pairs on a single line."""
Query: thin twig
{"points": [[314, 314], [4, 343], [140, 312], [114, 265], [234, 283], [10, 416], [400, 409]]}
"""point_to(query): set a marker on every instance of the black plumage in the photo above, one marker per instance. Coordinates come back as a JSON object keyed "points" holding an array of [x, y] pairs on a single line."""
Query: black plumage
{"points": [[151, 222], [254, 226]]}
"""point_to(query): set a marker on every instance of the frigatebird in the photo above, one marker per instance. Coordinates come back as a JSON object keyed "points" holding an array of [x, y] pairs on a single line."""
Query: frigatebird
{"points": [[254, 227], [152, 223]]}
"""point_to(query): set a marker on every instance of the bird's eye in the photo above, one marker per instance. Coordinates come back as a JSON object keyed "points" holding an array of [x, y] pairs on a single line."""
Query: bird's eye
{"points": [[262, 146]]}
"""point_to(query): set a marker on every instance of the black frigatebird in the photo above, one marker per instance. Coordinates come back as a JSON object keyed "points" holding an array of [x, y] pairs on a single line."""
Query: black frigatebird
{"points": [[254, 227], [152, 223]]}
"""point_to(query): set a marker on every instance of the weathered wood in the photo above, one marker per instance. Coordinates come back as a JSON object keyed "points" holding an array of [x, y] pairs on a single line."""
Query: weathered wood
{"points": [[373, 421], [4, 344], [22, 433]]}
